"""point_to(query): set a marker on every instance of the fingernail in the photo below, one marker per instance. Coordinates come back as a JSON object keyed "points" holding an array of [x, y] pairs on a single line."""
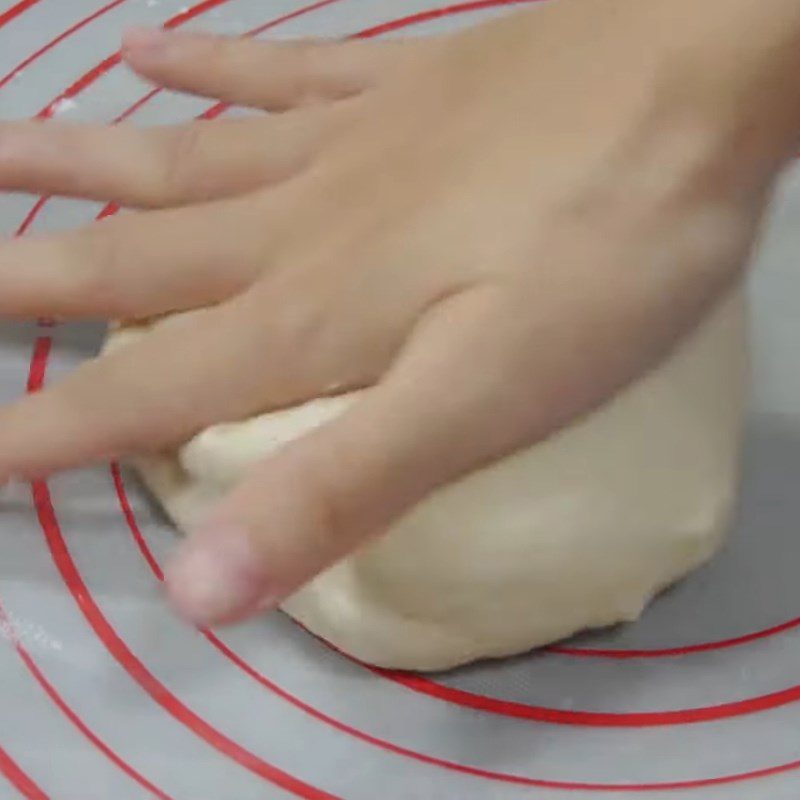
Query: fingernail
{"points": [[146, 41], [217, 576]]}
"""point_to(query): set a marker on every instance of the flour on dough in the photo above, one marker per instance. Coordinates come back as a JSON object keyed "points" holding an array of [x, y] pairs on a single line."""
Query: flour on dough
{"points": [[577, 532]]}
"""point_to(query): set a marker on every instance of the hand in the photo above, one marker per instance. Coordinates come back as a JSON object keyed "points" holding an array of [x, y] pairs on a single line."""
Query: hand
{"points": [[494, 230]]}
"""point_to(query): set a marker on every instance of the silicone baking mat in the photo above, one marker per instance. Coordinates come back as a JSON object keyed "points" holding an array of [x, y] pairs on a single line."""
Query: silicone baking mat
{"points": [[104, 695]]}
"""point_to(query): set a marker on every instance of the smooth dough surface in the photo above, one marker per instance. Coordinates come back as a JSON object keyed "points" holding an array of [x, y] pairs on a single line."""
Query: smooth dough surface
{"points": [[577, 532]]}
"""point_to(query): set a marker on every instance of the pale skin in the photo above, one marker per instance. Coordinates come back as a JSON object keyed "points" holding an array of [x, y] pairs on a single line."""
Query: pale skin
{"points": [[494, 231]]}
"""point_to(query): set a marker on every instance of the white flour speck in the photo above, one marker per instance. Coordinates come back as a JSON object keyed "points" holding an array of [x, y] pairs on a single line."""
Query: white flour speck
{"points": [[29, 633], [63, 105]]}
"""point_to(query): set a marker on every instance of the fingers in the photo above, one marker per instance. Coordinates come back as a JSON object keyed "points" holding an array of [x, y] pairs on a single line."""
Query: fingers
{"points": [[193, 370], [142, 396], [135, 265], [300, 511], [289, 337], [157, 167], [245, 71]]}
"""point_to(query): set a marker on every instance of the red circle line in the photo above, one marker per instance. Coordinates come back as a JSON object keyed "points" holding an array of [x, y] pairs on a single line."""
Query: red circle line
{"points": [[19, 779], [17, 11], [45, 508], [474, 701], [537, 713], [215, 111], [636, 719], [681, 650], [60, 553], [212, 112], [350, 730], [12, 634], [37, 54], [124, 656], [108, 63]]}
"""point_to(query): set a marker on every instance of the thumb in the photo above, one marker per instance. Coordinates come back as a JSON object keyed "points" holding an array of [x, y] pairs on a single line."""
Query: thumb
{"points": [[323, 495]]}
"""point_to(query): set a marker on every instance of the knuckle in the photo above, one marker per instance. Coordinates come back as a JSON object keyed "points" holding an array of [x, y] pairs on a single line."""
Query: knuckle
{"points": [[181, 159], [311, 77], [302, 345], [96, 269], [299, 323]]}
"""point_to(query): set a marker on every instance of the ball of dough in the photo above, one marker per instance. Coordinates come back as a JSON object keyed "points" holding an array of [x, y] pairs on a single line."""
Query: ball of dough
{"points": [[577, 532]]}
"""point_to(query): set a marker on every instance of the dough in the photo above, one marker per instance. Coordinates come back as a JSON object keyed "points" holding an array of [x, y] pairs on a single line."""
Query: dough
{"points": [[577, 532]]}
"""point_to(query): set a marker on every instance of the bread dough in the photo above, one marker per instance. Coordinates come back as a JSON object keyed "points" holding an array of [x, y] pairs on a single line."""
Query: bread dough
{"points": [[577, 532]]}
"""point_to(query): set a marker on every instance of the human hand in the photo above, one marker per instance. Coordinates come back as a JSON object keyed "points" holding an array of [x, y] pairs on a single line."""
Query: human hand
{"points": [[495, 231]]}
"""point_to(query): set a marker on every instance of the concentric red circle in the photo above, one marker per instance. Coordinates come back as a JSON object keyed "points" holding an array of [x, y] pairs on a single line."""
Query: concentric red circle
{"points": [[119, 651]]}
